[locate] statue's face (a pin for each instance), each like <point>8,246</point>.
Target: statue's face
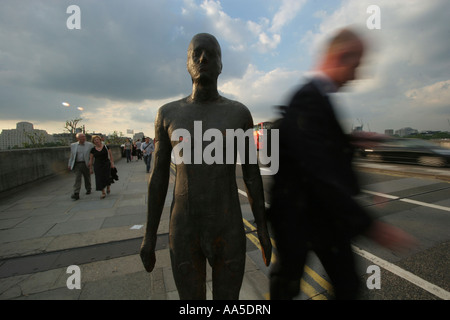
<point>204,61</point>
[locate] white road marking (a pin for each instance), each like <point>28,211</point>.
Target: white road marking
<point>420,203</point>
<point>380,194</point>
<point>421,283</point>
<point>242,192</point>
<point>245,195</point>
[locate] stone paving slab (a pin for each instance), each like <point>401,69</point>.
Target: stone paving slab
<point>45,219</point>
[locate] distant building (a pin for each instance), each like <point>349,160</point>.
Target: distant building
<point>64,138</point>
<point>430,132</point>
<point>389,132</point>
<point>24,134</point>
<point>406,131</point>
<point>139,135</point>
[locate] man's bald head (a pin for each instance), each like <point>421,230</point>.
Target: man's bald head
<point>342,56</point>
<point>342,40</point>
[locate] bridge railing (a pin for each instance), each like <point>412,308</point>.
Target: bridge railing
<point>22,166</point>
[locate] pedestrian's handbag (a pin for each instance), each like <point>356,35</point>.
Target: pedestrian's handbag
<point>113,171</point>
<point>114,175</point>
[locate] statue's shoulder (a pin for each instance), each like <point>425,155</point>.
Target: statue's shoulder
<point>171,107</point>
<point>238,111</point>
<point>236,105</point>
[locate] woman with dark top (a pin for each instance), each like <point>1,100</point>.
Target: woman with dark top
<point>102,165</point>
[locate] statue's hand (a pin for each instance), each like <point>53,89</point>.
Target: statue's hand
<point>266,245</point>
<point>148,257</point>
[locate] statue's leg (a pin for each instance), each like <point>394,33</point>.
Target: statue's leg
<point>189,268</point>
<point>228,264</point>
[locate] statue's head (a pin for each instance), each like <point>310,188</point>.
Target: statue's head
<point>204,58</point>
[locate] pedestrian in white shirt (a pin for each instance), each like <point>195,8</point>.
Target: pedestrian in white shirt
<point>79,163</point>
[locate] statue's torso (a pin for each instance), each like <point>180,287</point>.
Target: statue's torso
<point>205,192</point>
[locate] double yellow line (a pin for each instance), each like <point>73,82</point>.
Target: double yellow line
<point>305,287</point>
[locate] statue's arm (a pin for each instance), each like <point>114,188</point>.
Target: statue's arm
<point>157,191</point>
<point>255,193</point>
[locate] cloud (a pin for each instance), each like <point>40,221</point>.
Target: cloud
<point>116,54</point>
<point>124,52</point>
<point>262,35</point>
<point>228,27</point>
<point>261,91</point>
<point>406,54</point>
<point>436,94</point>
<point>288,10</point>
<point>129,58</point>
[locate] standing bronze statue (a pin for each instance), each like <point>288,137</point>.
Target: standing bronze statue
<point>206,220</point>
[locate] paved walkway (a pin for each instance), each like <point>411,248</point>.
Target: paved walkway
<point>43,231</point>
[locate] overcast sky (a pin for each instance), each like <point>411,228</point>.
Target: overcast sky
<point>129,58</point>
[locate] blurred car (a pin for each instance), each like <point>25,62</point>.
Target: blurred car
<point>405,150</point>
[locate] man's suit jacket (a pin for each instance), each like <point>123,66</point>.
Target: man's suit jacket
<point>73,153</point>
<point>313,189</point>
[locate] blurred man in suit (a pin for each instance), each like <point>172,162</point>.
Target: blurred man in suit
<point>312,205</point>
<point>79,163</point>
